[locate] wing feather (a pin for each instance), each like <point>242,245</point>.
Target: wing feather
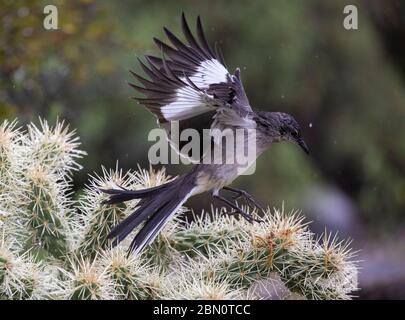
<point>190,79</point>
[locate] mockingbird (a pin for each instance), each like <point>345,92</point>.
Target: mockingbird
<point>190,84</point>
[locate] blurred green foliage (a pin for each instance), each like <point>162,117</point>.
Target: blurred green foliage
<point>344,87</point>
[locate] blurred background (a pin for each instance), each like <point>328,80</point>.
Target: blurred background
<point>346,89</point>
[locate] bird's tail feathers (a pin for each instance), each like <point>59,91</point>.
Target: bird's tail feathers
<point>156,207</point>
<point>122,194</point>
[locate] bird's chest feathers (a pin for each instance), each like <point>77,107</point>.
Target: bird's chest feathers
<point>216,177</point>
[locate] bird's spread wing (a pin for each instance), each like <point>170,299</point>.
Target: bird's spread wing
<point>191,84</point>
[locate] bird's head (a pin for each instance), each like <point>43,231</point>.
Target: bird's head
<point>281,126</point>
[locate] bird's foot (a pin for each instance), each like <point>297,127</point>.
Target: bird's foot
<point>238,211</point>
<point>246,196</point>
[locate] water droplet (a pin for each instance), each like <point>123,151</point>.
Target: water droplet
<point>310,124</point>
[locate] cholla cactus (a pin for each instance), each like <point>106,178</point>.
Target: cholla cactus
<point>133,278</point>
<point>192,283</point>
<point>36,177</point>
<point>97,220</point>
<point>55,247</point>
<point>324,270</point>
<point>206,233</point>
<point>87,280</point>
<point>45,212</point>
<point>266,246</point>
<point>21,277</point>
<point>283,243</point>
<point>54,148</point>
<point>11,158</point>
<point>10,143</point>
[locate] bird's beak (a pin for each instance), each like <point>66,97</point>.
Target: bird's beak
<point>303,145</point>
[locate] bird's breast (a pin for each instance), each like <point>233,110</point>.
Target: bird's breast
<point>215,177</point>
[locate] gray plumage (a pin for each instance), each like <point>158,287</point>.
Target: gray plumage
<point>190,84</point>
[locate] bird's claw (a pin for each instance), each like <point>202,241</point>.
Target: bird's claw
<point>249,199</point>
<point>236,209</point>
<point>246,216</point>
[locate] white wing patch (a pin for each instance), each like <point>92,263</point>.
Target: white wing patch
<point>209,72</point>
<point>188,103</point>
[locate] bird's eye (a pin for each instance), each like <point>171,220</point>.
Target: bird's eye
<point>295,134</point>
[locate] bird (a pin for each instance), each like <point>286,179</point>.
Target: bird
<point>191,85</point>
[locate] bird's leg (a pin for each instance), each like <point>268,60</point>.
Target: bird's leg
<point>238,210</point>
<point>247,196</point>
